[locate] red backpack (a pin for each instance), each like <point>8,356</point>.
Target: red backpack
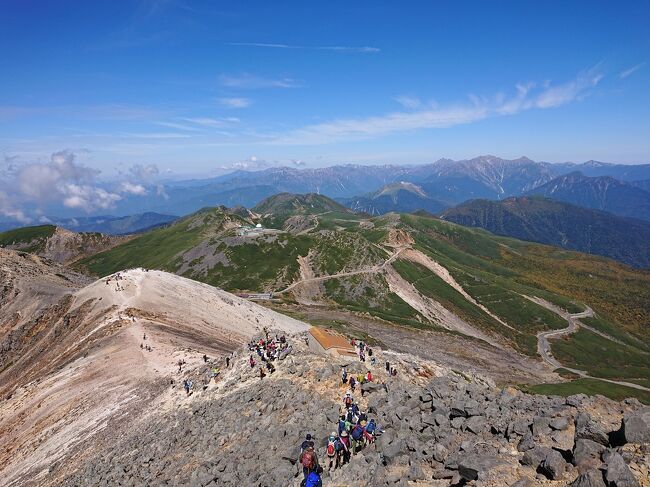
<point>331,449</point>
<point>308,459</point>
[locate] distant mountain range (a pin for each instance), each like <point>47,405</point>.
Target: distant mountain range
<point>446,182</point>
<point>601,193</point>
<point>564,225</point>
<point>110,225</point>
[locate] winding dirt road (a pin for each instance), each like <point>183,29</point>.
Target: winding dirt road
<point>544,347</point>
<point>373,269</point>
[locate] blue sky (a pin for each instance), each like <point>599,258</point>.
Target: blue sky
<point>200,87</point>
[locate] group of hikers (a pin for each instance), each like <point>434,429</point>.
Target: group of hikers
<point>117,277</point>
<point>360,379</point>
<point>268,350</point>
<point>354,432</point>
<point>363,349</point>
<point>143,346</point>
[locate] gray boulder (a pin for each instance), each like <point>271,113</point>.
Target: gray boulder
<point>553,466</point>
<point>541,426</point>
<point>636,426</point>
<point>591,478</point>
<point>440,453</point>
<point>519,427</point>
<point>474,467</point>
<point>394,449</point>
<point>576,400</point>
<point>588,429</point>
<point>534,457</point>
<point>476,424</point>
<point>617,473</point>
<point>370,387</point>
<point>458,422</point>
<point>586,454</point>
<point>526,443</point>
<point>559,424</point>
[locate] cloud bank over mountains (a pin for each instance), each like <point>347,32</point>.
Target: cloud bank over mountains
<point>62,180</point>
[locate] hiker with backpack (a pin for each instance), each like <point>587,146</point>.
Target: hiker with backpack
<point>344,376</point>
<point>353,382</point>
<point>308,460</point>
<point>357,438</point>
<point>348,400</point>
<point>308,442</point>
<point>331,452</point>
<point>371,428</point>
<point>342,425</point>
<point>314,478</point>
<point>344,440</point>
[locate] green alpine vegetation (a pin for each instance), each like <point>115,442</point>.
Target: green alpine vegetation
<point>344,258</point>
<point>561,224</point>
<point>27,239</point>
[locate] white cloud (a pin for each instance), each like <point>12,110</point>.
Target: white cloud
<point>213,122</point>
<point>249,81</point>
<point>88,197</point>
<point>554,96</point>
<point>62,180</point>
<point>179,126</point>
<point>362,49</point>
<point>8,209</point>
<point>160,191</point>
<point>410,102</point>
<point>628,72</point>
<point>234,102</point>
<point>355,49</point>
<point>144,172</point>
<point>479,108</point>
<point>130,188</point>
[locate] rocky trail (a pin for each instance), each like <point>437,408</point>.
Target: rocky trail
<point>80,362</point>
<point>440,429</point>
<point>87,400</point>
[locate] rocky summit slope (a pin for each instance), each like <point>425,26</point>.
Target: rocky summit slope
<point>75,360</point>
<point>440,428</point>
<point>91,394</point>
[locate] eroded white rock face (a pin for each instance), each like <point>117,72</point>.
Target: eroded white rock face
<point>75,360</point>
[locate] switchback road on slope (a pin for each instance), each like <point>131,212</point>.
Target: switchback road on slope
<point>574,324</point>
<point>373,269</point>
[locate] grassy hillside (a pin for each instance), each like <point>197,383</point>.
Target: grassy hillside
<point>299,204</point>
<point>561,224</point>
<point>485,263</point>
<point>28,239</point>
<point>224,248</point>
